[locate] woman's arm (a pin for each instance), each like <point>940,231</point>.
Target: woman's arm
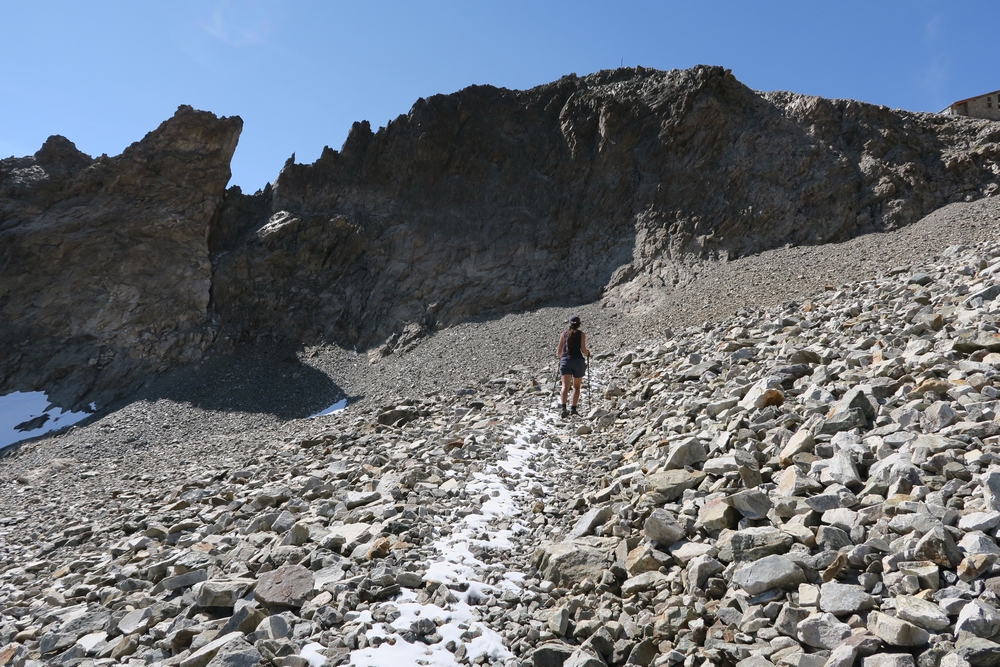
<point>559,347</point>
<point>583,344</point>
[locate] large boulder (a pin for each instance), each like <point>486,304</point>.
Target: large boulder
<point>769,572</point>
<point>572,561</point>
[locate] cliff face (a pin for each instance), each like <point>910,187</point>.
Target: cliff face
<point>491,200</point>
<point>104,263</point>
<point>473,204</point>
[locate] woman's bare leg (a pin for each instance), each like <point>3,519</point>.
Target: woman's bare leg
<point>576,390</point>
<point>566,380</point>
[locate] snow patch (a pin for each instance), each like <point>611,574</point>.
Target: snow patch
<point>336,407</point>
<point>507,487</point>
<point>29,414</point>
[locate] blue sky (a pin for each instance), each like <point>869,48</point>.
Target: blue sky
<point>299,73</point>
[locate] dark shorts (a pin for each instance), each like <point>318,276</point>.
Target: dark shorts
<point>575,366</point>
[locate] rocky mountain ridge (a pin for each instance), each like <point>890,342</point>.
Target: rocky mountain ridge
<point>583,185</point>
<point>475,204</point>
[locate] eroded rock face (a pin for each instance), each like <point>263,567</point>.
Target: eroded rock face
<point>478,203</point>
<point>490,200</point>
<point>104,263</point>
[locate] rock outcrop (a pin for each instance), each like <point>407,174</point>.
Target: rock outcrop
<point>104,263</point>
<point>490,200</point>
<point>474,204</point>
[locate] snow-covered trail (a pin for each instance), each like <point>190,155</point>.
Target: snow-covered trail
<point>507,488</point>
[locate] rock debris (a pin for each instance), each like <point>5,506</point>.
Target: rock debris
<point>813,483</point>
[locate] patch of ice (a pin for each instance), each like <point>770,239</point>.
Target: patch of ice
<point>29,414</point>
<point>336,407</point>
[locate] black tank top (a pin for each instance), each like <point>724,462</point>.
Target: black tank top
<point>572,344</point>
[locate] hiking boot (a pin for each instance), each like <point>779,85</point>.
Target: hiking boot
<point>565,412</point>
<point>573,411</point>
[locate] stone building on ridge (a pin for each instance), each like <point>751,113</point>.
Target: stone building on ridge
<point>982,106</point>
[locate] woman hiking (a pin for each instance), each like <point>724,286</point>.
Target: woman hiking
<point>573,355</point>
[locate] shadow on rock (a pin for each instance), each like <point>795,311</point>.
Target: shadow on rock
<point>254,379</point>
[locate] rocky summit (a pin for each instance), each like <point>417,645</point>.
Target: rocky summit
<point>789,457</point>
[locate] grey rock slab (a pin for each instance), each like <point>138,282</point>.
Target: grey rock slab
<point>938,546</point>
<point>755,661</point>
<point>136,620</point>
<point>88,623</point>
<point>923,613</point>
<point>662,528</point>
<point>977,651</point>
<point>672,483</point>
<point>822,630</point>
<point>981,521</point>
<point>585,657</point>
<point>405,579</point>
<point>977,542</point>
<point>348,537</point>
<point>842,518</point>
<point>753,543</point>
<point>840,470</point>
<point>89,644</point>
<point>842,419</point>
<point>288,586</point>
<point>551,654</point>
<point>990,483</point>
<point>361,498</point>
<point>185,580</point>
<point>699,569</point>
<point>222,592</point>
<point>246,617</point>
<point>592,518</point>
<point>683,552</point>
<point>204,655</point>
<point>715,515</point>
<point>843,655</point>
<point>895,631</point>
<point>237,653</point>
<point>328,576</point>
<point>889,660</point>
<point>939,415</point>
<point>834,497</point>
<point>788,619</point>
<point>644,582</point>
<point>801,441</point>
<point>720,465</point>
<point>954,660</point>
<point>274,627</point>
<point>284,522</point>
<point>769,572</point>
<point>978,618</point>
<point>567,563</point>
<point>841,599</point>
<point>687,452</point>
<point>558,621</point>
<point>56,641</point>
<point>751,503</point>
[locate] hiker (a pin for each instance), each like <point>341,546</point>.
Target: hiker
<point>573,357</point>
